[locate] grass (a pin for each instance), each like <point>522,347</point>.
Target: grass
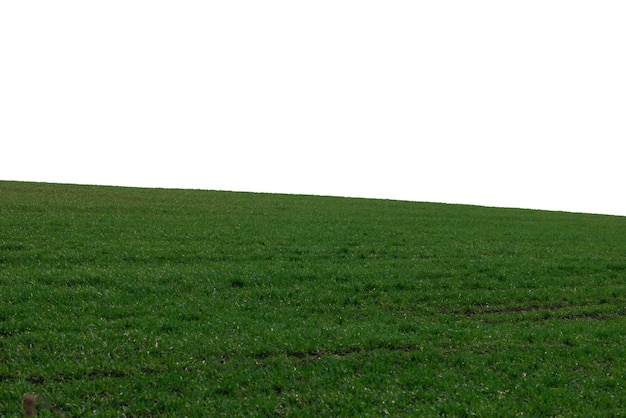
<point>138,302</point>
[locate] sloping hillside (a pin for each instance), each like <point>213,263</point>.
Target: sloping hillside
<point>121,301</point>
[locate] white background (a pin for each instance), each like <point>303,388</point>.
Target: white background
<point>498,103</point>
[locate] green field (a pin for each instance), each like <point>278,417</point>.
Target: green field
<point>151,302</point>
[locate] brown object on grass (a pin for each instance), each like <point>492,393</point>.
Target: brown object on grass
<point>29,400</point>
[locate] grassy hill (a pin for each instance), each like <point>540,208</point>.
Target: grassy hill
<point>143,302</point>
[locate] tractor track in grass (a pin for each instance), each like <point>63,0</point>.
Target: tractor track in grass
<point>313,355</point>
<point>88,375</point>
<point>492,315</point>
<point>340,353</point>
<point>305,356</point>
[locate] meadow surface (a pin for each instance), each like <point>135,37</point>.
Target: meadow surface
<point>139,302</point>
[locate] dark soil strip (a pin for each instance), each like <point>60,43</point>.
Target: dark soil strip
<point>316,354</point>
<point>532,308</point>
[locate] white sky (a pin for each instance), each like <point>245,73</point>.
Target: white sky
<point>497,103</point>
